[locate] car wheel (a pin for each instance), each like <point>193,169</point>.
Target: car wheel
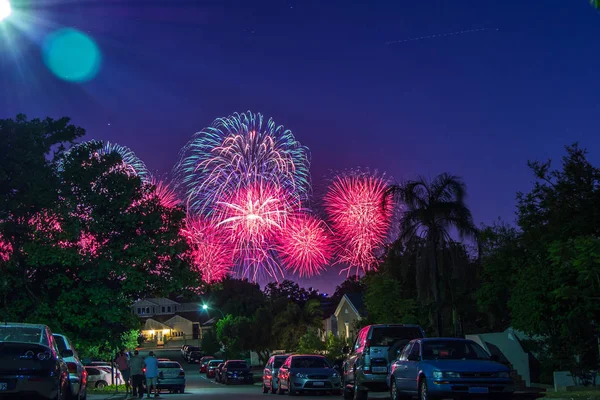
<point>290,391</point>
<point>394,391</point>
<point>280,391</point>
<point>347,393</point>
<point>273,389</point>
<point>359,394</point>
<point>423,390</point>
<point>226,381</point>
<point>101,384</point>
<point>265,388</point>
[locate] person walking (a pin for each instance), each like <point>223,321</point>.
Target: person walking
<point>151,364</point>
<point>136,368</point>
<point>123,366</point>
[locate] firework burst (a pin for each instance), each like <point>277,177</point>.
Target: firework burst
<point>306,245</point>
<point>212,254</point>
<point>166,195</point>
<point>360,217</point>
<point>237,152</point>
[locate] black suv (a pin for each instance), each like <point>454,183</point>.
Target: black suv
<point>366,364</point>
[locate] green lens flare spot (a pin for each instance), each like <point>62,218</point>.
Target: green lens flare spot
<point>71,55</point>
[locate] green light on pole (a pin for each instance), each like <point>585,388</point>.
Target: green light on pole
<point>5,9</point>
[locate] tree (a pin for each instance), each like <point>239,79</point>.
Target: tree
<point>334,346</point>
<point>294,321</point>
<point>352,284</point>
<point>432,210</point>
<point>235,332</point>
<point>310,343</point>
<point>210,343</point>
<point>236,296</point>
<point>555,290</point>
<point>386,303</point>
<point>291,291</point>
<point>501,255</point>
<point>100,238</point>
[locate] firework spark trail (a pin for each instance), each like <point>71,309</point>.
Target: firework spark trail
<point>211,251</point>
<point>306,245</point>
<point>438,35</point>
<point>166,195</point>
<point>359,217</point>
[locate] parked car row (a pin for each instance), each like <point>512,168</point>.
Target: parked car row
<point>191,354</point>
<point>400,359</point>
<point>36,362</point>
<point>228,372</point>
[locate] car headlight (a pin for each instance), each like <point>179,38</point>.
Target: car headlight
<point>445,375</point>
<point>503,374</point>
<point>335,375</point>
<point>299,375</point>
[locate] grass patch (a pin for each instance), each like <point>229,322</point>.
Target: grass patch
<point>106,389</point>
<point>584,395</point>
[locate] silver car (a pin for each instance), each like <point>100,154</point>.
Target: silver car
<point>30,363</point>
<point>308,373</point>
<point>171,377</point>
<point>77,374</point>
<point>270,372</point>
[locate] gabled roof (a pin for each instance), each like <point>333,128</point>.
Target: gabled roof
<point>156,301</point>
<point>152,324</point>
<point>355,300</point>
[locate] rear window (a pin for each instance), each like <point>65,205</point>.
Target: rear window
<point>237,365</point>
<point>214,363</point>
<point>193,348</point>
<point>389,335</point>
<point>22,334</point>
<point>60,343</point>
<point>169,365</point>
<point>309,362</point>
<point>278,362</point>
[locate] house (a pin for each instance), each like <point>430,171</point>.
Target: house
<point>350,309</point>
<point>329,320</point>
<point>165,318</point>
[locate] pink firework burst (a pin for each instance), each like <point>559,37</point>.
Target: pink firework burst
<point>254,218</point>
<point>306,245</point>
<point>211,252</point>
<point>165,193</point>
<point>360,216</point>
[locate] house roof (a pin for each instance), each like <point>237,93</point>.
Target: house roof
<point>159,301</point>
<point>192,316</point>
<point>355,300</point>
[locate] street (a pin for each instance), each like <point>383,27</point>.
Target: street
<point>198,387</point>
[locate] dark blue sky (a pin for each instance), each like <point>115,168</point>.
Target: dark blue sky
<point>476,104</point>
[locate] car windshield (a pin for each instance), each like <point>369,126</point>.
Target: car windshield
<point>453,350</point>
<point>389,335</point>
<point>309,362</point>
<point>193,348</point>
<point>237,364</point>
<point>22,334</point>
<point>169,365</point>
<point>278,362</point>
<point>214,363</point>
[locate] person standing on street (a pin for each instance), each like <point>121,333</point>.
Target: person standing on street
<point>123,365</point>
<point>151,364</point>
<point>136,368</point>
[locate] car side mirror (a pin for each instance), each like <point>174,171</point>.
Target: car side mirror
<point>66,353</point>
<point>346,350</point>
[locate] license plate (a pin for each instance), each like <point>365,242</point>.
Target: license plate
<point>380,370</point>
<point>3,386</point>
<point>479,390</point>
<point>318,383</point>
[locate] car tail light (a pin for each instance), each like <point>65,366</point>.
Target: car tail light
<point>367,359</point>
<point>72,367</point>
<point>181,373</point>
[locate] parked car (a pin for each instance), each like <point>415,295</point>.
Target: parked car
<point>270,372</point>
<point>376,346</point>
<point>183,348</point>
<point>204,363</point>
<point>99,377</point>
<point>218,372</point>
<point>308,373</point>
<point>211,368</point>
<point>171,377</point>
<point>441,367</point>
<point>77,373</point>
<point>30,363</point>
<point>236,371</point>
<point>194,357</point>
<point>188,351</point>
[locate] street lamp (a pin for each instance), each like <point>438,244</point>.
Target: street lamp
<point>5,9</point>
<point>206,308</point>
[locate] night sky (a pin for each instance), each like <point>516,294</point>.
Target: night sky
<point>515,80</point>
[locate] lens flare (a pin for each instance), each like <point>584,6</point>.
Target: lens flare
<point>71,55</point>
<point>360,215</point>
<point>306,245</point>
<point>5,9</point>
<point>211,251</point>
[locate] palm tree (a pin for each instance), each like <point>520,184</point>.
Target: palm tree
<point>431,212</point>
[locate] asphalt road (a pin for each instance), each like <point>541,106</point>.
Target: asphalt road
<point>198,387</point>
